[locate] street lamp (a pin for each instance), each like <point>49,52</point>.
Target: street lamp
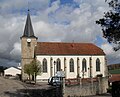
<point>54,67</point>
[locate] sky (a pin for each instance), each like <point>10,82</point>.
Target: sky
<point>52,20</point>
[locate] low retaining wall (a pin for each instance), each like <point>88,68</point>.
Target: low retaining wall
<point>81,90</point>
<point>86,89</point>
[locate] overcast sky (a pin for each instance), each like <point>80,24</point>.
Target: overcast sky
<point>53,20</point>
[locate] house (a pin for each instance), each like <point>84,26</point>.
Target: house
<point>12,71</point>
<point>83,60</point>
<point>114,72</point>
<point>113,66</point>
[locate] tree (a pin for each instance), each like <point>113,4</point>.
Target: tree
<point>34,68</point>
<point>27,69</point>
<point>2,68</point>
<point>110,24</point>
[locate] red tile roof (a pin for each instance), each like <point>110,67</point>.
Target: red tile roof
<point>114,77</point>
<point>59,48</point>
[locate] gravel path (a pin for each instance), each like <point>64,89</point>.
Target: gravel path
<point>12,88</point>
<point>8,87</point>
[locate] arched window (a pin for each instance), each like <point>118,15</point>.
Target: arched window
<point>78,67</point>
<point>98,64</point>
<point>71,65</point>
<point>84,65</point>
<point>58,65</point>
<point>44,66</point>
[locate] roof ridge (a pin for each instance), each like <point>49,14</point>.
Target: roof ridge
<point>68,42</point>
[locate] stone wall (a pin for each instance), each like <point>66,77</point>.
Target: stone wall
<point>27,53</point>
<point>86,89</point>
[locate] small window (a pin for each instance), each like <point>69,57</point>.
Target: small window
<point>71,65</point>
<point>44,66</point>
<point>84,66</point>
<point>98,64</point>
<point>29,44</point>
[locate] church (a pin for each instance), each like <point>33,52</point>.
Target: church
<point>85,60</point>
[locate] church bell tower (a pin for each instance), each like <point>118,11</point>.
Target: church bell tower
<point>28,43</point>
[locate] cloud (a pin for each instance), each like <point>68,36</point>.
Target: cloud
<point>3,47</point>
<point>16,51</point>
<point>112,56</point>
<point>80,22</point>
<point>52,21</point>
<point>11,28</point>
<point>54,7</point>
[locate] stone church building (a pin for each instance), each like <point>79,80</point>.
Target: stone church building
<point>75,59</point>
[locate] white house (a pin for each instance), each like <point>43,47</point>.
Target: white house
<point>75,59</point>
<point>12,71</point>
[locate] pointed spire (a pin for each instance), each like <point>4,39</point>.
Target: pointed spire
<point>28,31</point>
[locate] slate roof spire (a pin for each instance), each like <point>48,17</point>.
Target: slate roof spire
<point>28,31</point>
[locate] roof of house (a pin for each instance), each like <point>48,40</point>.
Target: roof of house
<point>114,78</point>
<point>60,48</point>
<point>12,68</point>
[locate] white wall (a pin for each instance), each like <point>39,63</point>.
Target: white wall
<point>73,74</point>
<point>12,71</point>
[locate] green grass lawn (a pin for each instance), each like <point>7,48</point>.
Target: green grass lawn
<point>116,71</point>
